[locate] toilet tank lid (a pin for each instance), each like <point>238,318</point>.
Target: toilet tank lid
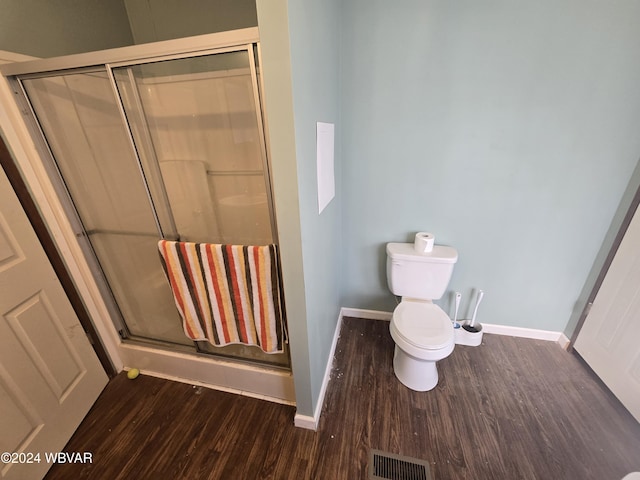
<point>405,251</point>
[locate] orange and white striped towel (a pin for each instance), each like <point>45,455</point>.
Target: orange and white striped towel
<point>226,293</point>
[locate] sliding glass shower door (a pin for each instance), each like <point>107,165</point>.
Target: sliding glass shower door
<point>197,120</point>
<point>168,148</point>
<point>80,119</point>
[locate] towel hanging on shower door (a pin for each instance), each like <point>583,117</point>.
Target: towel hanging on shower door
<point>226,294</point>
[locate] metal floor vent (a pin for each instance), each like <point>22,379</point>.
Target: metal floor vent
<point>387,466</point>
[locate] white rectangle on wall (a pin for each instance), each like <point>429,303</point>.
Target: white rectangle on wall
<point>324,155</point>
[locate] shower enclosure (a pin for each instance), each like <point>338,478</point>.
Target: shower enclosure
<point>168,147</point>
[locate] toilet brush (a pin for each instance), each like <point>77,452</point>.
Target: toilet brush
<point>455,315</point>
<point>471,326</point>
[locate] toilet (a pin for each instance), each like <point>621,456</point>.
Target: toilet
<point>422,331</point>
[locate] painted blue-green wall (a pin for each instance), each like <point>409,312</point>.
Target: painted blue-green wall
<point>300,53</point>
<point>315,49</point>
<point>509,129</point>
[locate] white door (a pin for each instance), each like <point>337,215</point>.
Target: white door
<point>49,374</point>
<point>609,340</point>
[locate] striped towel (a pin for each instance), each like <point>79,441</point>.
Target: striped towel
<point>226,293</point>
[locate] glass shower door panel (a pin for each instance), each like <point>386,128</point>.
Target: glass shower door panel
<point>198,117</point>
<point>86,136</point>
<point>84,129</point>
<point>140,287</point>
<point>242,208</point>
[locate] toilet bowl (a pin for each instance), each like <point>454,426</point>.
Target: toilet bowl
<point>422,331</point>
<point>423,334</point>
<point>632,476</point>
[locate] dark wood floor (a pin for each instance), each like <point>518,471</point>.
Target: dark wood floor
<point>509,409</point>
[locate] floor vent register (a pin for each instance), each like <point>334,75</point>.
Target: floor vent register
<point>387,466</point>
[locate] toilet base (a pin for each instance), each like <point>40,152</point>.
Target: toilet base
<point>416,374</point>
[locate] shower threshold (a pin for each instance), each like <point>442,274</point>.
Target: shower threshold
<point>184,364</point>
<point>240,354</point>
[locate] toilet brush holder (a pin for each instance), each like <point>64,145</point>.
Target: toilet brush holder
<point>468,335</point>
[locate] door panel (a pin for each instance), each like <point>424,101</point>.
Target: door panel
<point>49,374</point>
<point>608,340</point>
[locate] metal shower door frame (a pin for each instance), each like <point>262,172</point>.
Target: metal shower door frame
<point>257,88</point>
<point>88,63</point>
<point>64,195</point>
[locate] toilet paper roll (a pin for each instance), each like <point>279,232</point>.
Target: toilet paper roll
<point>424,242</point>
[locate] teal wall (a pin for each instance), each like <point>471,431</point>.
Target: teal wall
<point>315,50</point>
<point>509,129</point>
<point>300,52</point>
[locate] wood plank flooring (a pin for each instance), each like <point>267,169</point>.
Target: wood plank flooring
<point>509,409</point>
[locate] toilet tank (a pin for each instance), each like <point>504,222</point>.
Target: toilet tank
<point>423,276</point>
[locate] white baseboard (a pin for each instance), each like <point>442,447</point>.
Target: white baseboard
<point>564,341</point>
<point>306,421</point>
<point>521,332</point>
<point>368,314</point>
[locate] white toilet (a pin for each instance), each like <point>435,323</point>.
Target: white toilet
<point>422,331</point>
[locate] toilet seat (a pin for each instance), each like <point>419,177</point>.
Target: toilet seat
<point>422,325</point>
